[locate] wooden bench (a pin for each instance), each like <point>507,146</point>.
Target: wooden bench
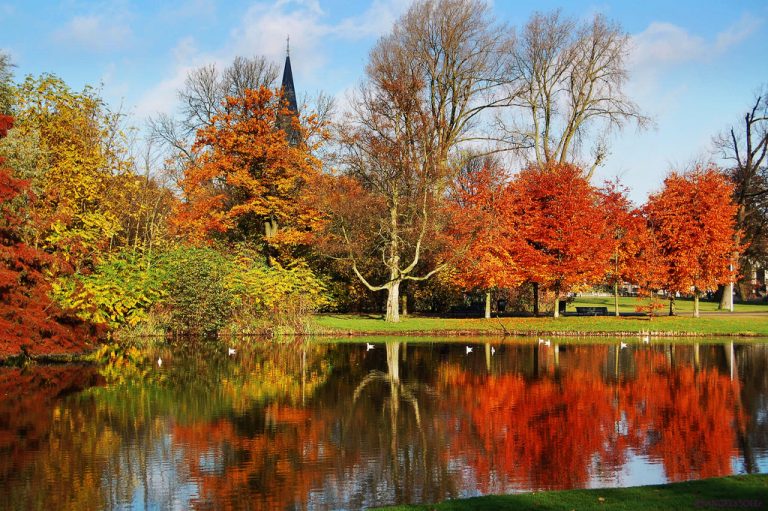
<point>592,311</point>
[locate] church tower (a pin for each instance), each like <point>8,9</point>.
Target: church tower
<point>285,122</point>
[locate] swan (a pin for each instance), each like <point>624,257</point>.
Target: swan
<point>369,346</point>
<point>469,350</point>
<point>231,351</point>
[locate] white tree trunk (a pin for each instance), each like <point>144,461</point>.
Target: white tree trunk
<point>487,305</point>
<point>557,306</point>
<point>393,302</point>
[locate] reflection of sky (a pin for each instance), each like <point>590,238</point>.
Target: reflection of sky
<point>638,470</point>
<point>165,486</point>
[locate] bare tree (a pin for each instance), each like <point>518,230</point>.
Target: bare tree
<point>6,83</point>
<point>427,82</point>
<point>202,97</point>
<point>566,85</point>
<point>746,146</point>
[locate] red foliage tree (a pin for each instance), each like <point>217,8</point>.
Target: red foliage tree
<point>694,219</point>
<point>625,228</point>
<point>562,228</point>
<point>480,224</point>
<point>29,321</point>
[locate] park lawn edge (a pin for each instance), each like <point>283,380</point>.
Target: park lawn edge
<point>348,325</point>
<point>742,492</point>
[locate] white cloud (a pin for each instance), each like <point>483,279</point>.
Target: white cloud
<point>665,43</point>
<point>664,46</point>
<point>263,31</point>
<point>95,32</point>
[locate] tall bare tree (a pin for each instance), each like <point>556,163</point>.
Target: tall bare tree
<point>745,145</point>
<point>427,82</point>
<point>565,87</point>
<point>202,97</point>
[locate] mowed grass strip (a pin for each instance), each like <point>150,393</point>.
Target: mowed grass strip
<point>682,305</point>
<point>734,492</point>
<point>714,325</point>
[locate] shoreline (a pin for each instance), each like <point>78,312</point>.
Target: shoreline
<point>736,491</point>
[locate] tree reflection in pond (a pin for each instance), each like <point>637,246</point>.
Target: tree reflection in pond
<point>337,426</point>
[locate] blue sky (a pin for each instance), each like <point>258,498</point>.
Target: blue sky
<point>694,67</point>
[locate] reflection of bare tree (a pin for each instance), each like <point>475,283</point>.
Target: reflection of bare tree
<point>395,426</point>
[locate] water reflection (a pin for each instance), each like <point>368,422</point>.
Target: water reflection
<point>337,426</point>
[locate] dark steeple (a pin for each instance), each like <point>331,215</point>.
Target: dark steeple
<point>289,96</point>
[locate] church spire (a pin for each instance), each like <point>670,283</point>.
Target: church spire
<point>289,95</point>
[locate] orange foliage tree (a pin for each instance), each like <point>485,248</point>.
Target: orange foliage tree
<point>29,321</point>
<point>625,228</point>
<point>481,225</point>
<point>694,218</point>
<point>248,177</point>
<point>562,228</point>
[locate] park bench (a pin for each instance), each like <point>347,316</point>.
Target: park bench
<point>592,311</point>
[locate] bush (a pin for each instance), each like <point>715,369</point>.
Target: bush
<point>119,292</point>
<point>197,299</point>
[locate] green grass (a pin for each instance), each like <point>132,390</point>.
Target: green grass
<point>682,305</point>
<point>735,492</point>
<point>714,325</point>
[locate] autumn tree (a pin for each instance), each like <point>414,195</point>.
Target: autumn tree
<point>625,225</point>
<point>745,146</point>
<point>566,83</point>
<point>71,149</point>
<point>694,218</point>
<point>480,227</point>
<point>425,86</point>
<point>29,321</point>
<point>245,181</point>
<point>564,243</point>
<point>202,97</point>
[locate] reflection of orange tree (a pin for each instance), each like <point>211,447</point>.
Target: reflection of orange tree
<point>549,433</point>
<point>542,434</point>
<point>686,418</point>
<point>272,469</point>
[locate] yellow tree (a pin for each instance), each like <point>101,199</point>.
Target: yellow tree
<point>70,147</point>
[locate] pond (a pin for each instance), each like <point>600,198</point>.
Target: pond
<point>329,425</point>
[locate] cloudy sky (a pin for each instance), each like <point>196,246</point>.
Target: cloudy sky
<point>695,65</point>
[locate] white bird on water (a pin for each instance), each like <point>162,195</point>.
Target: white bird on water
<point>159,362</point>
<point>647,339</point>
<point>369,346</point>
<point>493,351</point>
<point>469,350</point>
<point>623,345</point>
<point>231,351</point>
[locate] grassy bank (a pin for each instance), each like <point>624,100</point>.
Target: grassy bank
<point>682,305</point>
<point>679,326</point>
<point>735,492</point>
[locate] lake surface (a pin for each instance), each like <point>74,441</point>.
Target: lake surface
<point>338,425</point>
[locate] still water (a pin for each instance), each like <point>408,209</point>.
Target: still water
<point>339,425</point>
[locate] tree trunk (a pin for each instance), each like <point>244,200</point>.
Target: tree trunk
<point>672,305</point>
<point>726,300</point>
<point>393,302</point>
<point>535,298</point>
<point>616,298</point>
<point>696,303</point>
<point>487,305</point>
<point>557,306</point>
<point>404,302</point>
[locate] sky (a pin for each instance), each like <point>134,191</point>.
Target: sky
<point>695,66</point>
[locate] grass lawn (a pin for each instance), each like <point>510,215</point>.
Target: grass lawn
<point>682,305</point>
<point>735,492</point>
<point>713,325</point>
